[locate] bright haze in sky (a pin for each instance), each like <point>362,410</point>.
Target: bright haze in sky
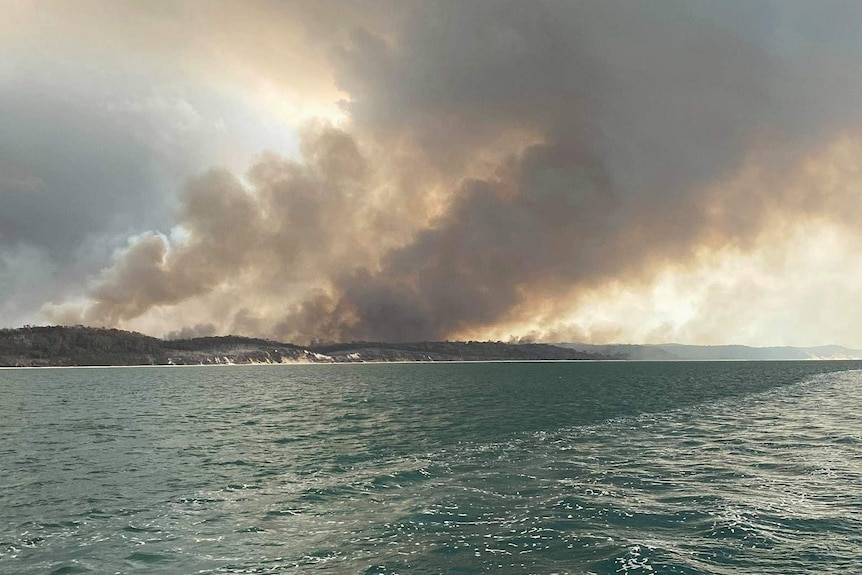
<point>594,171</point>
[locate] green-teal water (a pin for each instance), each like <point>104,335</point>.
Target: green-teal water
<point>683,468</point>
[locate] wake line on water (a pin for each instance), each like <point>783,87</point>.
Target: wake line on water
<point>380,474</point>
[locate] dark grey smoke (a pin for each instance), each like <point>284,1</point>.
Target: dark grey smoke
<point>199,330</point>
<point>643,109</point>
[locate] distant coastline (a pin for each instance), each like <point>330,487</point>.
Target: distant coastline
<point>682,352</point>
<point>78,346</point>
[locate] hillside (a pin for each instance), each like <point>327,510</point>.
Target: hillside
<point>450,351</point>
<point>76,346</point>
<point>69,346</point>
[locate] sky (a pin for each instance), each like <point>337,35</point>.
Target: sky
<point>594,171</point>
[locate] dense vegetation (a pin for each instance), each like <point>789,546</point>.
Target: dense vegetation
<point>451,351</point>
<point>78,345</point>
<point>222,342</point>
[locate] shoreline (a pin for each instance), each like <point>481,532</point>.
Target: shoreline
<point>419,362</point>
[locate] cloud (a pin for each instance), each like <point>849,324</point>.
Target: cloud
<point>498,162</point>
<point>25,282</point>
<point>108,109</point>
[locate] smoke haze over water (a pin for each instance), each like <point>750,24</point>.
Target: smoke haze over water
<point>410,171</point>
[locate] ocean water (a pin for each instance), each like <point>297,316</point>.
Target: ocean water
<point>683,468</point>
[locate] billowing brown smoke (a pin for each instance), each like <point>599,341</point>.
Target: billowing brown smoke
<point>500,157</point>
<point>290,226</point>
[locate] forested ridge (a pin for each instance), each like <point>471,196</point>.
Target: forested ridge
<point>33,346</point>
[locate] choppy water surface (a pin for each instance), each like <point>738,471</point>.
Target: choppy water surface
<point>598,468</point>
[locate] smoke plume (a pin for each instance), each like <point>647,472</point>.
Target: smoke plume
<point>501,159</point>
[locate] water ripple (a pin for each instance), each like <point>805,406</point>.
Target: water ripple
<point>711,468</point>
